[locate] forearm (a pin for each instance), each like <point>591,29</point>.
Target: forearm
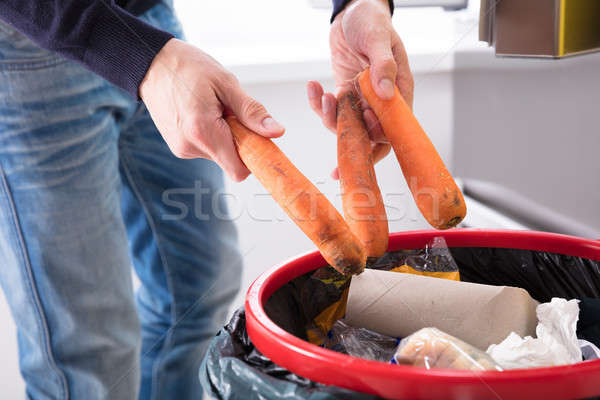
<point>97,33</point>
<point>339,5</point>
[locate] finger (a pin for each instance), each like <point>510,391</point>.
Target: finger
<point>404,78</point>
<point>314,91</point>
<point>380,151</point>
<point>383,65</point>
<point>374,127</point>
<point>221,148</point>
<point>251,113</point>
<point>350,84</point>
<point>329,112</point>
<point>323,104</point>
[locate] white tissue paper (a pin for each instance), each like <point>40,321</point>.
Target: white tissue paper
<point>556,342</point>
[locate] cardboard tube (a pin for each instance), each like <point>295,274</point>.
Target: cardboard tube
<point>397,304</point>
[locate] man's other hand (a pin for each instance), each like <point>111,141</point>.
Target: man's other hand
<point>363,35</point>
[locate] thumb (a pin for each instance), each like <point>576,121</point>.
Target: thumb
<point>383,67</point>
<point>253,114</point>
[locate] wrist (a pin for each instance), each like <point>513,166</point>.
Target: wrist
<point>385,5</point>
<point>164,62</point>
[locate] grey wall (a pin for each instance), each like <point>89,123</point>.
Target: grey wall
<point>533,126</point>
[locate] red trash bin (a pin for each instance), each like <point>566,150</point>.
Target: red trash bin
<point>580,380</point>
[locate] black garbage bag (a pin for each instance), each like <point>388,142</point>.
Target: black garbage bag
<point>234,369</point>
<point>588,325</point>
<point>544,275</point>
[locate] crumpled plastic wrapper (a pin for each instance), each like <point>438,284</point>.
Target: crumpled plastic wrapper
<point>431,348</point>
<point>589,350</point>
<point>360,342</point>
<point>435,260</point>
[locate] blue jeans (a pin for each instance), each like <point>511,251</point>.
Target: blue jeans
<point>88,188</point>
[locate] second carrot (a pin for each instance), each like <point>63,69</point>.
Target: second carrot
<point>362,202</point>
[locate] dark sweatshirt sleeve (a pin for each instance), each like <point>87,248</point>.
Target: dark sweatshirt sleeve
<point>97,33</point>
<point>338,6</point>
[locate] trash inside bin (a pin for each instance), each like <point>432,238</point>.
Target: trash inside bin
<point>283,302</point>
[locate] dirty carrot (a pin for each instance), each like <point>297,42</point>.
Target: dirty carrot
<point>300,199</point>
<point>362,203</point>
<point>438,197</point>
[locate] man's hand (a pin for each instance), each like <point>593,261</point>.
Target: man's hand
<point>362,35</point>
<point>187,92</point>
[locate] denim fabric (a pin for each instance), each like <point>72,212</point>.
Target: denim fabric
<point>88,188</point>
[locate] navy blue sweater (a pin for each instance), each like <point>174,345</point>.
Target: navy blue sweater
<point>104,35</point>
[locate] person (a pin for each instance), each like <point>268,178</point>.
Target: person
<point>89,176</point>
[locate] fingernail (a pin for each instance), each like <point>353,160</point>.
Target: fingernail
<point>312,91</point>
<point>325,104</point>
<point>271,125</point>
<point>387,87</point>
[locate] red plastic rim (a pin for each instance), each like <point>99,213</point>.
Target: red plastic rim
<point>403,382</point>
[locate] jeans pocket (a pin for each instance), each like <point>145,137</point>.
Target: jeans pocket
<point>17,52</point>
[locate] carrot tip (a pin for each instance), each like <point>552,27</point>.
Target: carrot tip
<point>351,269</point>
<point>372,261</point>
<point>452,223</point>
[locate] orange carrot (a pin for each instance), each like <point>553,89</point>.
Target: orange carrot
<point>300,199</point>
<point>433,188</point>
<point>363,206</point>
